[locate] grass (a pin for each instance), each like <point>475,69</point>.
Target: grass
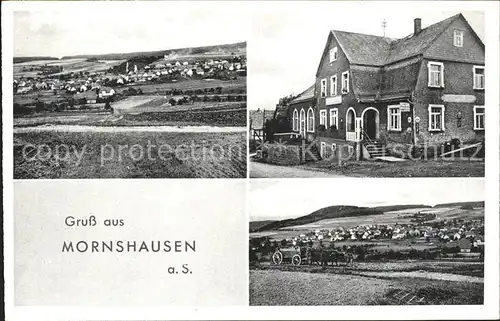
<point>228,160</point>
<point>296,286</point>
<point>228,86</point>
<point>419,168</point>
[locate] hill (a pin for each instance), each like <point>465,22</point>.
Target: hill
<point>18,60</point>
<point>225,49</point>
<point>462,204</point>
<point>332,212</point>
<point>259,225</point>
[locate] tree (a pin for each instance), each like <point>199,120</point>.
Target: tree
<point>107,105</point>
<point>40,106</point>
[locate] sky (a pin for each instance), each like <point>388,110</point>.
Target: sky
<point>72,32</point>
<point>279,199</point>
<point>285,40</point>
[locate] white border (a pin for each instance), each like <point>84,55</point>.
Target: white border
<point>490,309</point>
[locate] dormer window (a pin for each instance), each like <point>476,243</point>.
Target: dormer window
<point>458,38</point>
<point>333,54</point>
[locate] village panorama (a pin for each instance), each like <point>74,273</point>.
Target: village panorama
<point>386,255</point>
<point>177,113</point>
<point>381,107</point>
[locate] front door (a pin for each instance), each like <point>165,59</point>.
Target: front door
<point>370,125</point>
<point>358,129</point>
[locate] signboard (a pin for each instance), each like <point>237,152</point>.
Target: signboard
<point>334,100</point>
<point>405,107</point>
<point>458,98</point>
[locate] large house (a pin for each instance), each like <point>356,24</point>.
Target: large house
<point>424,89</point>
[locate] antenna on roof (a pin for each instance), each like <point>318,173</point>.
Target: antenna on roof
<point>384,25</point>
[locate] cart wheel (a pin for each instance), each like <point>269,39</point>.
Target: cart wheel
<point>296,260</point>
<point>277,258</point>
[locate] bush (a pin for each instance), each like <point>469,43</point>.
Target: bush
<point>172,101</point>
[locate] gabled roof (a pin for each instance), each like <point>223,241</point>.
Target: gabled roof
<point>362,49</point>
<point>305,95</point>
<point>413,45</point>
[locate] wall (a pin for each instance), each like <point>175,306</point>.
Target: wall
<point>458,80</point>
<point>284,154</point>
<point>327,70</point>
<point>442,48</point>
<point>348,148</point>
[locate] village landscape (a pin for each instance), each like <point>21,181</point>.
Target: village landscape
<point>381,107</point>
<point>388,255</point>
<point>71,106</point>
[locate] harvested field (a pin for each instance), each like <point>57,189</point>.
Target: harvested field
<point>238,85</point>
<point>217,117</point>
<point>129,155</point>
<point>327,287</point>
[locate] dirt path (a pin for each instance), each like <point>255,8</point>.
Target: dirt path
<point>127,129</point>
<point>262,170</point>
<point>426,275</point>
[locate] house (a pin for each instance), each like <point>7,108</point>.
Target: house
<point>258,119</point>
<point>90,96</point>
<point>301,112</point>
<point>424,89</point>
<point>105,92</point>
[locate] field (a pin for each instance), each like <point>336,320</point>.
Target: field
<point>69,65</point>
<point>401,283</point>
<point>228,86</point>
<point>418,168</point>
<point>132,154</point>
<point>389,218</point>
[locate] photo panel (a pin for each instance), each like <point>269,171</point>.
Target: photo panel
<point>400,95</point>
<point>140,106</point>
<point>380,242</point>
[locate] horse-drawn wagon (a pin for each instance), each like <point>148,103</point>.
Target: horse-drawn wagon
<point>293,255</point>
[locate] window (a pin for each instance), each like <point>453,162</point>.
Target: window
<point>302,121</point>
<point>322,117</point>
<point>333,54</point>
<point>478,77</point>
<point>310,120</point>
<point>478,117</point>
<point>458,38</point>
<point>394,117</point>
<point>295,123</point>
<point>323,87</point>
<point>334,117</point>
<point>436,74</point>
<point>436,117</point>
<point>333,85</point>
<point>345,82</point>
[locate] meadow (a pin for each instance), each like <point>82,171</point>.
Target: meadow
<point>401,283</point>
<point>118,155</point>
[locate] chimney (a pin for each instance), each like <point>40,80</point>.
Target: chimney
<point>417,25</point>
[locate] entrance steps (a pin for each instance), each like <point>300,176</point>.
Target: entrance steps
<point>375,148</point>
